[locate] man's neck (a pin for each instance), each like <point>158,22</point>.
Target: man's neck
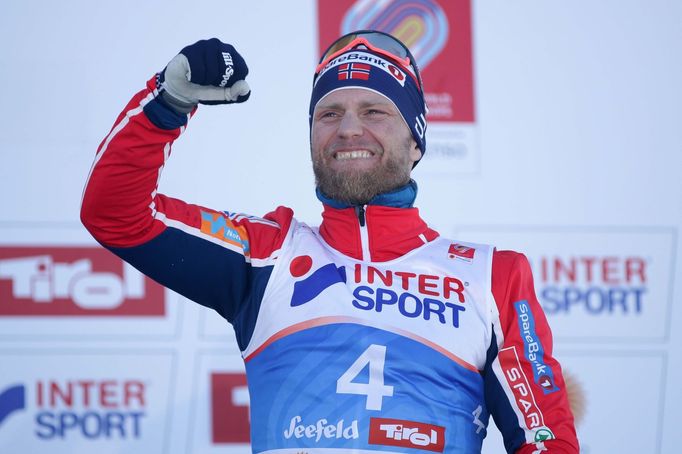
<point>402,197</point>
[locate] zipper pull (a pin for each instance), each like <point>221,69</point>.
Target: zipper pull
<point>360,213</point>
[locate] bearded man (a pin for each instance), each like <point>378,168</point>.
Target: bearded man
<point>371,333</point>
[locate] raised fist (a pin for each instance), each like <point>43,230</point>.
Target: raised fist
<point>206,72</point>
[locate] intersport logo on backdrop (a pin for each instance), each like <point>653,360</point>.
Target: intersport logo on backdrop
<point>80,408</point>
<point>593,283</point>
<point>74,281</point>
<point>597,283</point>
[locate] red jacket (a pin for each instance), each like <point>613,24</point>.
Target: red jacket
<point>224,261</point>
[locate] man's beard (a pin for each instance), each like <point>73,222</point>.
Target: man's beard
<point>357,187</point>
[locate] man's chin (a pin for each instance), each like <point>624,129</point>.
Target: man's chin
<point>355,189</point>
<point>355,184</point>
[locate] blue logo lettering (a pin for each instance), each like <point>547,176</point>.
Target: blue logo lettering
<point>534,352</point>
<point>409,305</point>
<point>593,300</point>
<point>90,424</point>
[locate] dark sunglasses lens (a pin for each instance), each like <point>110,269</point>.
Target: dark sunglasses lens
<point>387,43</point>
<point>338,45</point>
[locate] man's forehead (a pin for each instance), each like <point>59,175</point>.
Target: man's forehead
<point>354,97</point>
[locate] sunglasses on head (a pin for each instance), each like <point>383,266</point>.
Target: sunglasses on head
<point>376,41</point>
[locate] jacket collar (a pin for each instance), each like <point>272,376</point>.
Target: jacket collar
<point>384,229</point>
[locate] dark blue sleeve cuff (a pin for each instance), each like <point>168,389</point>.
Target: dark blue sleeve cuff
<point>164,116</point>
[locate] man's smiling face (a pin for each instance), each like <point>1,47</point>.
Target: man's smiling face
<point>360,146</point>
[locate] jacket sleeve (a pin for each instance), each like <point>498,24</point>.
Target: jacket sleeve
<point>524,386</point>
<point>217,259</point>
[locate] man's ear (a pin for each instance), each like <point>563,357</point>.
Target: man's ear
<point>415,152</point>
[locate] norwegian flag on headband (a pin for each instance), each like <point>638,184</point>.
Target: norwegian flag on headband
<point>354,71</point>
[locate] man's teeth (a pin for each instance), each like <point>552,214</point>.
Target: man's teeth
<point>355,154</point>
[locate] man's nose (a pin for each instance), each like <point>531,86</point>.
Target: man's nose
<point>350,125</point>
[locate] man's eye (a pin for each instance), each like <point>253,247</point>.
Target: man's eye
<point>376,112</point>
<point>328,115</point>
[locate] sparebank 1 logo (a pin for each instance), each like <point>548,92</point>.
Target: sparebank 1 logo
<point>74,281</point>
<point>592,284</point>
<point>534,351</point>
<point>438,34</point>
<point>383,290</point>
<point>84,408</point>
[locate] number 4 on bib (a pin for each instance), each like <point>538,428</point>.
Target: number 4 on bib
<point>375,390</point>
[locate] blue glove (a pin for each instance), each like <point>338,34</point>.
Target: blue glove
<point>206,72</point>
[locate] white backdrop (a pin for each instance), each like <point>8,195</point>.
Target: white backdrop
<point>577,159</point>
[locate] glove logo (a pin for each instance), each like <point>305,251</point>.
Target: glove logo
<point>229,70</point>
